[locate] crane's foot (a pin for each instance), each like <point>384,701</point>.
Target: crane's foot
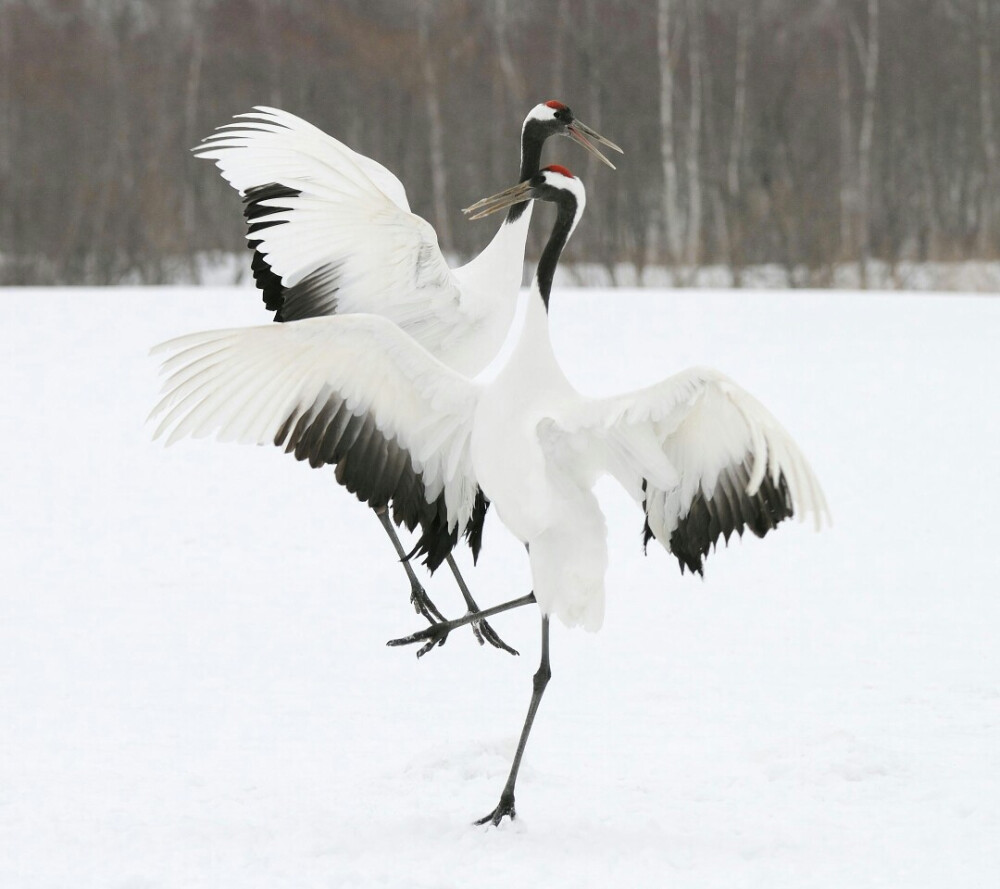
<point>505,809</point>
<point>485,633</point>
<point>422,604</point>
<point>437,634</point>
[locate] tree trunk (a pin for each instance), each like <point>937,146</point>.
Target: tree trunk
<point>739,99</point>
<point>870,60</point>
<point>668,158</point>
<point>734,197</point>
<point>192,89</point>
<point>988,197</point>
<point>848,175</point>
<point>559,48</point>
<point>435,134</point>
<point>696,61</point>
<point>8,229</point>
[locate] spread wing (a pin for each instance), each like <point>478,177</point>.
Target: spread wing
<point>353,391</point>
<point>703,456</point>
<point>332,230</point>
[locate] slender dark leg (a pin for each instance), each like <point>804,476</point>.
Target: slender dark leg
<point>437,633</point>
<point>418,596</point>
<point>482,630</point>
<point>540,680</point>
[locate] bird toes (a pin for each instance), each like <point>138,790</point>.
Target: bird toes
<point>505,809</point>
<point>435,634</point>
<point>485,633</point>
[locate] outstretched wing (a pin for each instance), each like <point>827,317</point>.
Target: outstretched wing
<point>332,230</point>
<point>704,457</point>
<point>353,391</point>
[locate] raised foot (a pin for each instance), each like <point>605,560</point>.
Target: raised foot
<point>437,634</point>
<point>422,604</point>
<point>505,809</point>
<point>485,633</point>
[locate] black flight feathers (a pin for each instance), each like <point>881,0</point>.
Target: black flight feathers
<point>377,471</point>
<point>314,295</point>
<point>730,509</point>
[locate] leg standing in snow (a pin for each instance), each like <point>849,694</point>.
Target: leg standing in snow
<point>540,680</point>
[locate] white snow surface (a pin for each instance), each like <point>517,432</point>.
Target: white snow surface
<point>195,690</point>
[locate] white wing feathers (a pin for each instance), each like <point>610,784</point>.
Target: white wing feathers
<point>704,456</point>
<point>341,224</point>
<point>272,141</point>
<point>352,390</point>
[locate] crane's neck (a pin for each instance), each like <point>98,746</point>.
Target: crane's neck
<point>498,268</point>
<point>563,228</point>
<point>533,369</point>
<point>531,158</point>
<point>533,359</point>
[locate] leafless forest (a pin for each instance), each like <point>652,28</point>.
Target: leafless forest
<point>803,134</point>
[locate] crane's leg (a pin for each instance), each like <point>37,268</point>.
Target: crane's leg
<point>421,602</point>
<point>482,630</point>
<point>437,634</point>
<point>539,681</point>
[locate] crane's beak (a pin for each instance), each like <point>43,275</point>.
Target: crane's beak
<point>523,191</point>
<point>579,132</point>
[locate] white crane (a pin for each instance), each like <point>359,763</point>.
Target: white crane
<point>700,455</point>
<point>332,233</point>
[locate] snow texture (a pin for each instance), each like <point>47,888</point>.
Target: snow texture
<point>196,692</point>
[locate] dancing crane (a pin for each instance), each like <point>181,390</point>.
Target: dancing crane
<point>332,233</point>
<point>699,454</point>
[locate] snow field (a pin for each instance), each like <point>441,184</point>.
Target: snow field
<point>196,691</point>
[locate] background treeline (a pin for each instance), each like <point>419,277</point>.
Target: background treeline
<point>804,134</point>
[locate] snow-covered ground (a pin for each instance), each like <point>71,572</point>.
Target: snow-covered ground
<point>195,690</point>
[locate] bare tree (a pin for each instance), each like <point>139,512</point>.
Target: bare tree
<point>435,130</point>
<point>988,195</point>
<point>868,51</point>
<point>668,160</point>
<point>755,131</point>
<point>744,27</point>
<point>696,55</point>
<point>848,154</point>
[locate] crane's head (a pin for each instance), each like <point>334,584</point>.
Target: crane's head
<point>553,118</point>
<point>552,183</point>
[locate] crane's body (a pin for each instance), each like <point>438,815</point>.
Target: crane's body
<point>699,455</point>
<point>333,234</point>
<point>545,503</point>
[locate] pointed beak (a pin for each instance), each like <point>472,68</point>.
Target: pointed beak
<point>500,201</point>
<point>581,133</point>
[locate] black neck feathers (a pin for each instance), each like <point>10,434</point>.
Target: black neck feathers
<point>532,140</point>
<point>557,241</point>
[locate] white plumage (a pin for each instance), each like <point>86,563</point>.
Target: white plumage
<point>332,233</point>
<point>528,439</point>
<point>246,384</point>
<point>336,228</point>
<point>700,455</point>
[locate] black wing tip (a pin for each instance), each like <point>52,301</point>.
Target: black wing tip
<point>436,541</point>
<point>378,472</point>
<point>730,509</point>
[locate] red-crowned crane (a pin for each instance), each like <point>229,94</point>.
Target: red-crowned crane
<point>332,233</point>
<point>700,455</point>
